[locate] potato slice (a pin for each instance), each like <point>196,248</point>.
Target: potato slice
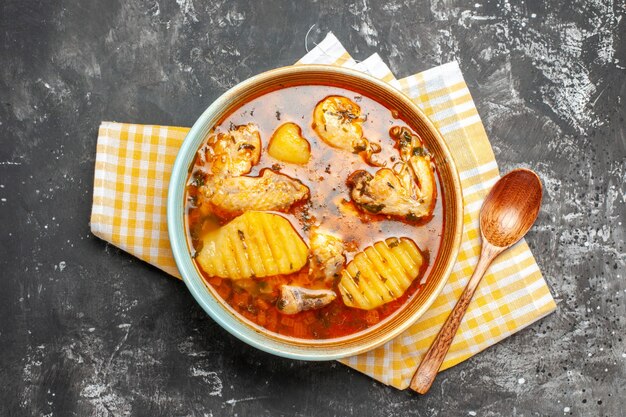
<point>381,273</point>
<point>255,244</point>
<point>288,145</point>
<point>337,121</point>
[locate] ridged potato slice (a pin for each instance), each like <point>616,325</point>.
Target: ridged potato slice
<point>255,244</point>
<point>380,273</point>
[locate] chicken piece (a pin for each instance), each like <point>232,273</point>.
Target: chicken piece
<point>234,152</point>
<point>419,160</point>
<point>337,121</point>
<point>407,191</point>
<point>382,193</point>
<point>326,259</point>
<point>294,299</point>
<point>269,191</point>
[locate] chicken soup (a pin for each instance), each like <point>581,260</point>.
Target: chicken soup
<point>313,212</point>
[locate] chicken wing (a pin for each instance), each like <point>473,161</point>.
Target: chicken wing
<point>233,153</point>
<point>269,191</point>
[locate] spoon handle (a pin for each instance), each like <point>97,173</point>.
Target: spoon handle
<point>425,374</point>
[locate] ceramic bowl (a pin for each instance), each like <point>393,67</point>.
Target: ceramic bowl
<point>372,337</point>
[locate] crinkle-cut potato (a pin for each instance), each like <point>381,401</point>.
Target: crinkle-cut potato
<point>288,145</point>
<point>381,273</point>
<point>255,244</point>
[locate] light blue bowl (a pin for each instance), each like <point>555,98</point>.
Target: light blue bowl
<point>249,332</point>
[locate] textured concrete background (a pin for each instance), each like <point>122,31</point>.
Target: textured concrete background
<point>87,330</point>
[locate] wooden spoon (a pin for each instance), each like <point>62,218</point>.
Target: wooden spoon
<point>507,214</point>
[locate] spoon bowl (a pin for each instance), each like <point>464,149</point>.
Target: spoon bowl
<point>511,208</point>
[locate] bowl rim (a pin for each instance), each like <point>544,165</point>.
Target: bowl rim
<point>178,239</point>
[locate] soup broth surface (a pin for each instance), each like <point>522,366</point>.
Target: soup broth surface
<point>329,208</point>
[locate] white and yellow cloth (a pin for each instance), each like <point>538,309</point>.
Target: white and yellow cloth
<point>133,165</point>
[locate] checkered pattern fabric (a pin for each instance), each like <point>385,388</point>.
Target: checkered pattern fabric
<point>133,165</point>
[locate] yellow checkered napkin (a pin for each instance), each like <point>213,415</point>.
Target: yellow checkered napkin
<point>133,165</point>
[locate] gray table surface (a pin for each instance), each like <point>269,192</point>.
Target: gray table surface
<point>87,330</point>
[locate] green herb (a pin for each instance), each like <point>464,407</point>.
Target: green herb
<point>394,243</point>
<point>359,148</point>
<point>372,207</point>
<point>336,278</point>
<point>247,146</point>
<point>347,115</point>
<point>198,179</point>
<point>411,217</point>
<point>419,151</point>
<point>405,139</point>
<point>242,237</point>
<point>357,277</point>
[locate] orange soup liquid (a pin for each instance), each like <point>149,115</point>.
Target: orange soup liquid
<point>329,207</point>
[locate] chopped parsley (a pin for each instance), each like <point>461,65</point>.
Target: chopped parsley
<point>419,151</point>
<point>373,207</point>
<point>359,148</point>
<point>411,217</point>
<point>198,179</point>
<point>247,146</point>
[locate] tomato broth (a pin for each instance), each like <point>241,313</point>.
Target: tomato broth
<point>329,208</point>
